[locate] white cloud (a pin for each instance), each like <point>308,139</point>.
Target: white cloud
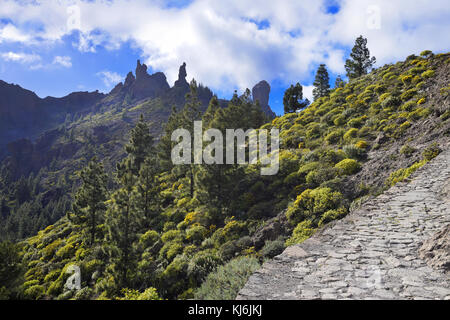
<point>11,33</point>
<point>220,44</point>
<point>63,61</point>
<point>20,57</point>
<point>109,78</point>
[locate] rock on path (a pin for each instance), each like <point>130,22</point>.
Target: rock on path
<point>373,253</point>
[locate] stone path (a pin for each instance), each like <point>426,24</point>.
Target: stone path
<point>370,254</point>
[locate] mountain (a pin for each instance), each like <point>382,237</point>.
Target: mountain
<point>200,231</point>
<point>70,132</point>
<point>24,114</point>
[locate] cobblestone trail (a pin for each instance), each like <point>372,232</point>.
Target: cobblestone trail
<point>370,254</point>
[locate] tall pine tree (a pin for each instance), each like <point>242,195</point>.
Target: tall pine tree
<point>293,99</point>
<point>165,145</point>
<point>321,83</point>
<point>89,201</point>
<point>122,224</point>
<point>339,83</point>
<point>190,113</point>
<point>360,61</point>
<point>141,144</point>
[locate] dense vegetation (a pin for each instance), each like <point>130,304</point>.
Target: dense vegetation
<point>151,230</point>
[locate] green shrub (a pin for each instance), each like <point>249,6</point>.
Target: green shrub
<point>348,166</point>
<point>149,294</point>
<point>273,248</point>
<point>390,102</point>
<point>331,215</point>
<point>406,79</point>
<point>431,152</point>
<point>51,249</point>
<point>409,106</point>
<point>407,150</point>
<point>227,280</point>
<point>419,113</point>
<point>149,238</point>
<point>380,89</point>
<point>426,53</point>
<point>361,144</point>
<point>402,174</point>
<point>408,94</point>
<point>353,151</point>
<point>334,136</point>
<point>302,231</point>
<point>311,204</point>
<point>34,292</point>
<point>350,134</point>
<point>339,121</point>
<point>356,122</point>
<point>316,177</point>
<point>203,263</point>
<point>428,74</point>
<point>83,294</point>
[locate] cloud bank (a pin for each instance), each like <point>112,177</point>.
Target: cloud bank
<point>235,43</point>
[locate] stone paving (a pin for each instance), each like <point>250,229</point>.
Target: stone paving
<point>370,254</point>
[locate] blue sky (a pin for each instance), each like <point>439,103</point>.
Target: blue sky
<point>55,47</point>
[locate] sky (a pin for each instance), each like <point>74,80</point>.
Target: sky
<point>54,47</point>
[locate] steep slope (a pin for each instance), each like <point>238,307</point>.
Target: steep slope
<point>335,155</point>
<point>24,115</point>
<point>47,161</point>
<point>373,253</point>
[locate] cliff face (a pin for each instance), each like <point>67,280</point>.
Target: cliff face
<point>24,115</point>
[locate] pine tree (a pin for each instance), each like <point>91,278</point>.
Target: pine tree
<point>122,224</point>
<point>147,200</point>
<point>140,146</point>
<point>190,113</point>
<point>210,112</point>
<point>165,145</point>
<point>339,83</point>
<point>11,270</point>
<point>89,200</point>
<point>293,99</point>
<point>360,61</point>
<point>218,182</point>
<point>321,83</point>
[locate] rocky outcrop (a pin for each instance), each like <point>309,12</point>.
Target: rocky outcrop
<point>147,86</point>
<point>260,93</point>
<point>373,253</point>
<point>182,74</point>
<point>272,229</point>
<point>436,250</point>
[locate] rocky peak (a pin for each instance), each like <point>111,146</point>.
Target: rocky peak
<point>141,70</point>
<point>261,92</point>
<point>182,74</point>
<point>129,79</point>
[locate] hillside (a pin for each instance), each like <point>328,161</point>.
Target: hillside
<point>375,252</point>
<point>197,227</point>
<point>37,176</point>
<point>24,114</point>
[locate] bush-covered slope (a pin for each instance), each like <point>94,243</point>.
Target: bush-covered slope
<point>343,148</point>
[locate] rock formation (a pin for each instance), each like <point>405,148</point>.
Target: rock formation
<point>261,92</point>
<point>182,74</point>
